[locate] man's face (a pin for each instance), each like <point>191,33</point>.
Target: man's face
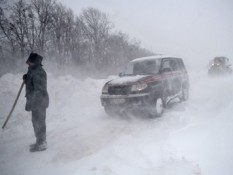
<point>30,64</point>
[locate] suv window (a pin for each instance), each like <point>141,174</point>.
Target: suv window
<point>166,66</point>
<point>174,65</point>
<point>181,64</point>
<point>144,67</point>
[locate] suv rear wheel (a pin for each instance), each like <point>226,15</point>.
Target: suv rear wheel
<point>184,94</point>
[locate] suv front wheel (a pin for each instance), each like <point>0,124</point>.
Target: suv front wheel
<point>109,110</point>
<point>184,93</point>
<point>158,107</point>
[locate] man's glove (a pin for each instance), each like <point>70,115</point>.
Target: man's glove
<point>25,78</point>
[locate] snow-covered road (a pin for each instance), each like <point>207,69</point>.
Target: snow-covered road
<point>191,138</point>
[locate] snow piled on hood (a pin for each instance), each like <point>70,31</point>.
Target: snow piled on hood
<point>191,138</point>
<point>126,80</point>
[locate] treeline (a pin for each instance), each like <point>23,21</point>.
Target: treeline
<point>52,30</point>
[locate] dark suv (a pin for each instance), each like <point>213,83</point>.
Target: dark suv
<point>220,66</point>
<point>148,84</point>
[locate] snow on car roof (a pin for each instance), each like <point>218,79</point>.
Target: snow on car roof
<point>152,58</point>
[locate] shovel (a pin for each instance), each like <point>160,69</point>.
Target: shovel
<point>13,107</point>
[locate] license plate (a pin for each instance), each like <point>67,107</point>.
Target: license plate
<point>117,101</point>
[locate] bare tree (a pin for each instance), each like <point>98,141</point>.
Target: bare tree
<point>42,18</point>
<point>53,30</point>
<point>18,24</point>
<point>96,28</point>
<point>62,33</point>
<point>7,30</point>
<point>57,24</point>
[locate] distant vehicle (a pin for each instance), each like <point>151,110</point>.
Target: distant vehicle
<point>148,84</point>
<point>220,66</point>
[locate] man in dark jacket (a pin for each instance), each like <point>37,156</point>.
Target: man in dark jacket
<point>37,99</point>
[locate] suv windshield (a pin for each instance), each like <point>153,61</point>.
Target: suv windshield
<point>145,67</point>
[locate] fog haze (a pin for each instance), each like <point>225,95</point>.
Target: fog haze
<point>192,137</point>
<point>196,30</point>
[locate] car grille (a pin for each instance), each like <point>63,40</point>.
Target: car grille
<point>118,90</point>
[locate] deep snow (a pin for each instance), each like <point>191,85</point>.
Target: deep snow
<point>191,138</point>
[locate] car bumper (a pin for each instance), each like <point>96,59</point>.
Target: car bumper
<point>125,101</point>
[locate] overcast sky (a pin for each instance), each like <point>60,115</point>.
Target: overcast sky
<point>194,29</point>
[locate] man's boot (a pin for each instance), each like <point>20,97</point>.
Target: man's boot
<point>41,146</point>
<point>32,145</point>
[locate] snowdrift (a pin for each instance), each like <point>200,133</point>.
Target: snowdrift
<point>191,138</point>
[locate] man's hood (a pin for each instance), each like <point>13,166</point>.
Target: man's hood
<point>35,58</point>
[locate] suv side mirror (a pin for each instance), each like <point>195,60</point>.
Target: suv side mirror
<point>121,74</point>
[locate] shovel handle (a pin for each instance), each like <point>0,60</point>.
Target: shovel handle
<point>13,107</point>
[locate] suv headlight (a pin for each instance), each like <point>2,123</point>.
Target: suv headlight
<point>138,87</point>
<point>105,89</point>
